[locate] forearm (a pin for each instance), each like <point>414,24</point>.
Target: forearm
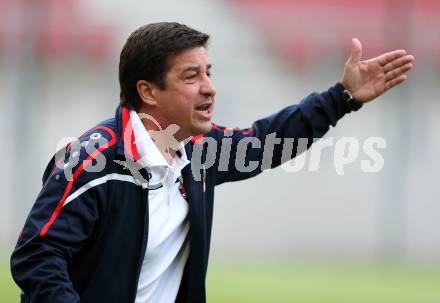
<point>265,141</point>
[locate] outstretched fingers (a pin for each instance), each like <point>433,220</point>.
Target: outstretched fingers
<point>397,72</point>
<point>394,82</point>
<point>398,63</point>
<point>397,67</point>
<point>390,57</point>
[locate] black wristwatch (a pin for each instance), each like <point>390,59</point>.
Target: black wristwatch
<point>352,102</point>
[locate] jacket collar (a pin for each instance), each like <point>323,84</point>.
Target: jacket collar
<point>126,145</point>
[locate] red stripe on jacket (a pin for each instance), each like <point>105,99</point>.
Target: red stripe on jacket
<point>76,174</point>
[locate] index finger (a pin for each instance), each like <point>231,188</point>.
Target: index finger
<point>390,56</point>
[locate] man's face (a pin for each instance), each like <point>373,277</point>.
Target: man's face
<point>188,99</point>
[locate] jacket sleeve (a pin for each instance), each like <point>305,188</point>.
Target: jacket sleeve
<point>60,223</point>
<point>261,146</point>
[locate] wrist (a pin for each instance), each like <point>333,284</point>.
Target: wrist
<point>354,104</point>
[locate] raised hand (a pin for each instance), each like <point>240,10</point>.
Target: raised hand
<point>366,80</point>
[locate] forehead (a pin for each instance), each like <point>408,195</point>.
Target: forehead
<point>190,58</point>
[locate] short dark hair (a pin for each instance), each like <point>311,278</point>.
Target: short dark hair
<point>146,54</point>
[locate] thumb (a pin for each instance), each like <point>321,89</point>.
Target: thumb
<point>356,51</point>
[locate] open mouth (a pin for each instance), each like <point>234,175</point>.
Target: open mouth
<point>204,111</point>
<point>206,107</point>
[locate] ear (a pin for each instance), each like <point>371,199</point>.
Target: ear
<point>146,92</point>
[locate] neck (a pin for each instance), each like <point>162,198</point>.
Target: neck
<point>164,138</point>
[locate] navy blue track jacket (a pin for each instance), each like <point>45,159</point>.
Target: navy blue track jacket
<point>86,235</point>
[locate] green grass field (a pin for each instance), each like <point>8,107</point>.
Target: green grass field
<point>9,292</point>
<point>307,283</point>
<point>303,283</point>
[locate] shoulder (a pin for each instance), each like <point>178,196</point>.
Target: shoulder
<point>88,154</point>
<point>99,140</point>
<point>101,137</point>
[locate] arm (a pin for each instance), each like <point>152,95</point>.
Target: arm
<point>311,118</point>
<point>59,224</point>
<point>262,146</point>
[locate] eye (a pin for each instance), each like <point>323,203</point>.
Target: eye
<point>208,74</point>
<point>191,76</point>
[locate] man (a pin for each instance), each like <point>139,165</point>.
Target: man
<point>122,216</point>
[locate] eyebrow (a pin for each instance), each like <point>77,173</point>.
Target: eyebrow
<point>195,68</point>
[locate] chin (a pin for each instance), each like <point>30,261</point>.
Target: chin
<point>203,129</point>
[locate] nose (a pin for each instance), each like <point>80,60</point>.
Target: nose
<point>207,87</point>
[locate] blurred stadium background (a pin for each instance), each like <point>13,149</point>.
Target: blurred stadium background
<point>280,237</point>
